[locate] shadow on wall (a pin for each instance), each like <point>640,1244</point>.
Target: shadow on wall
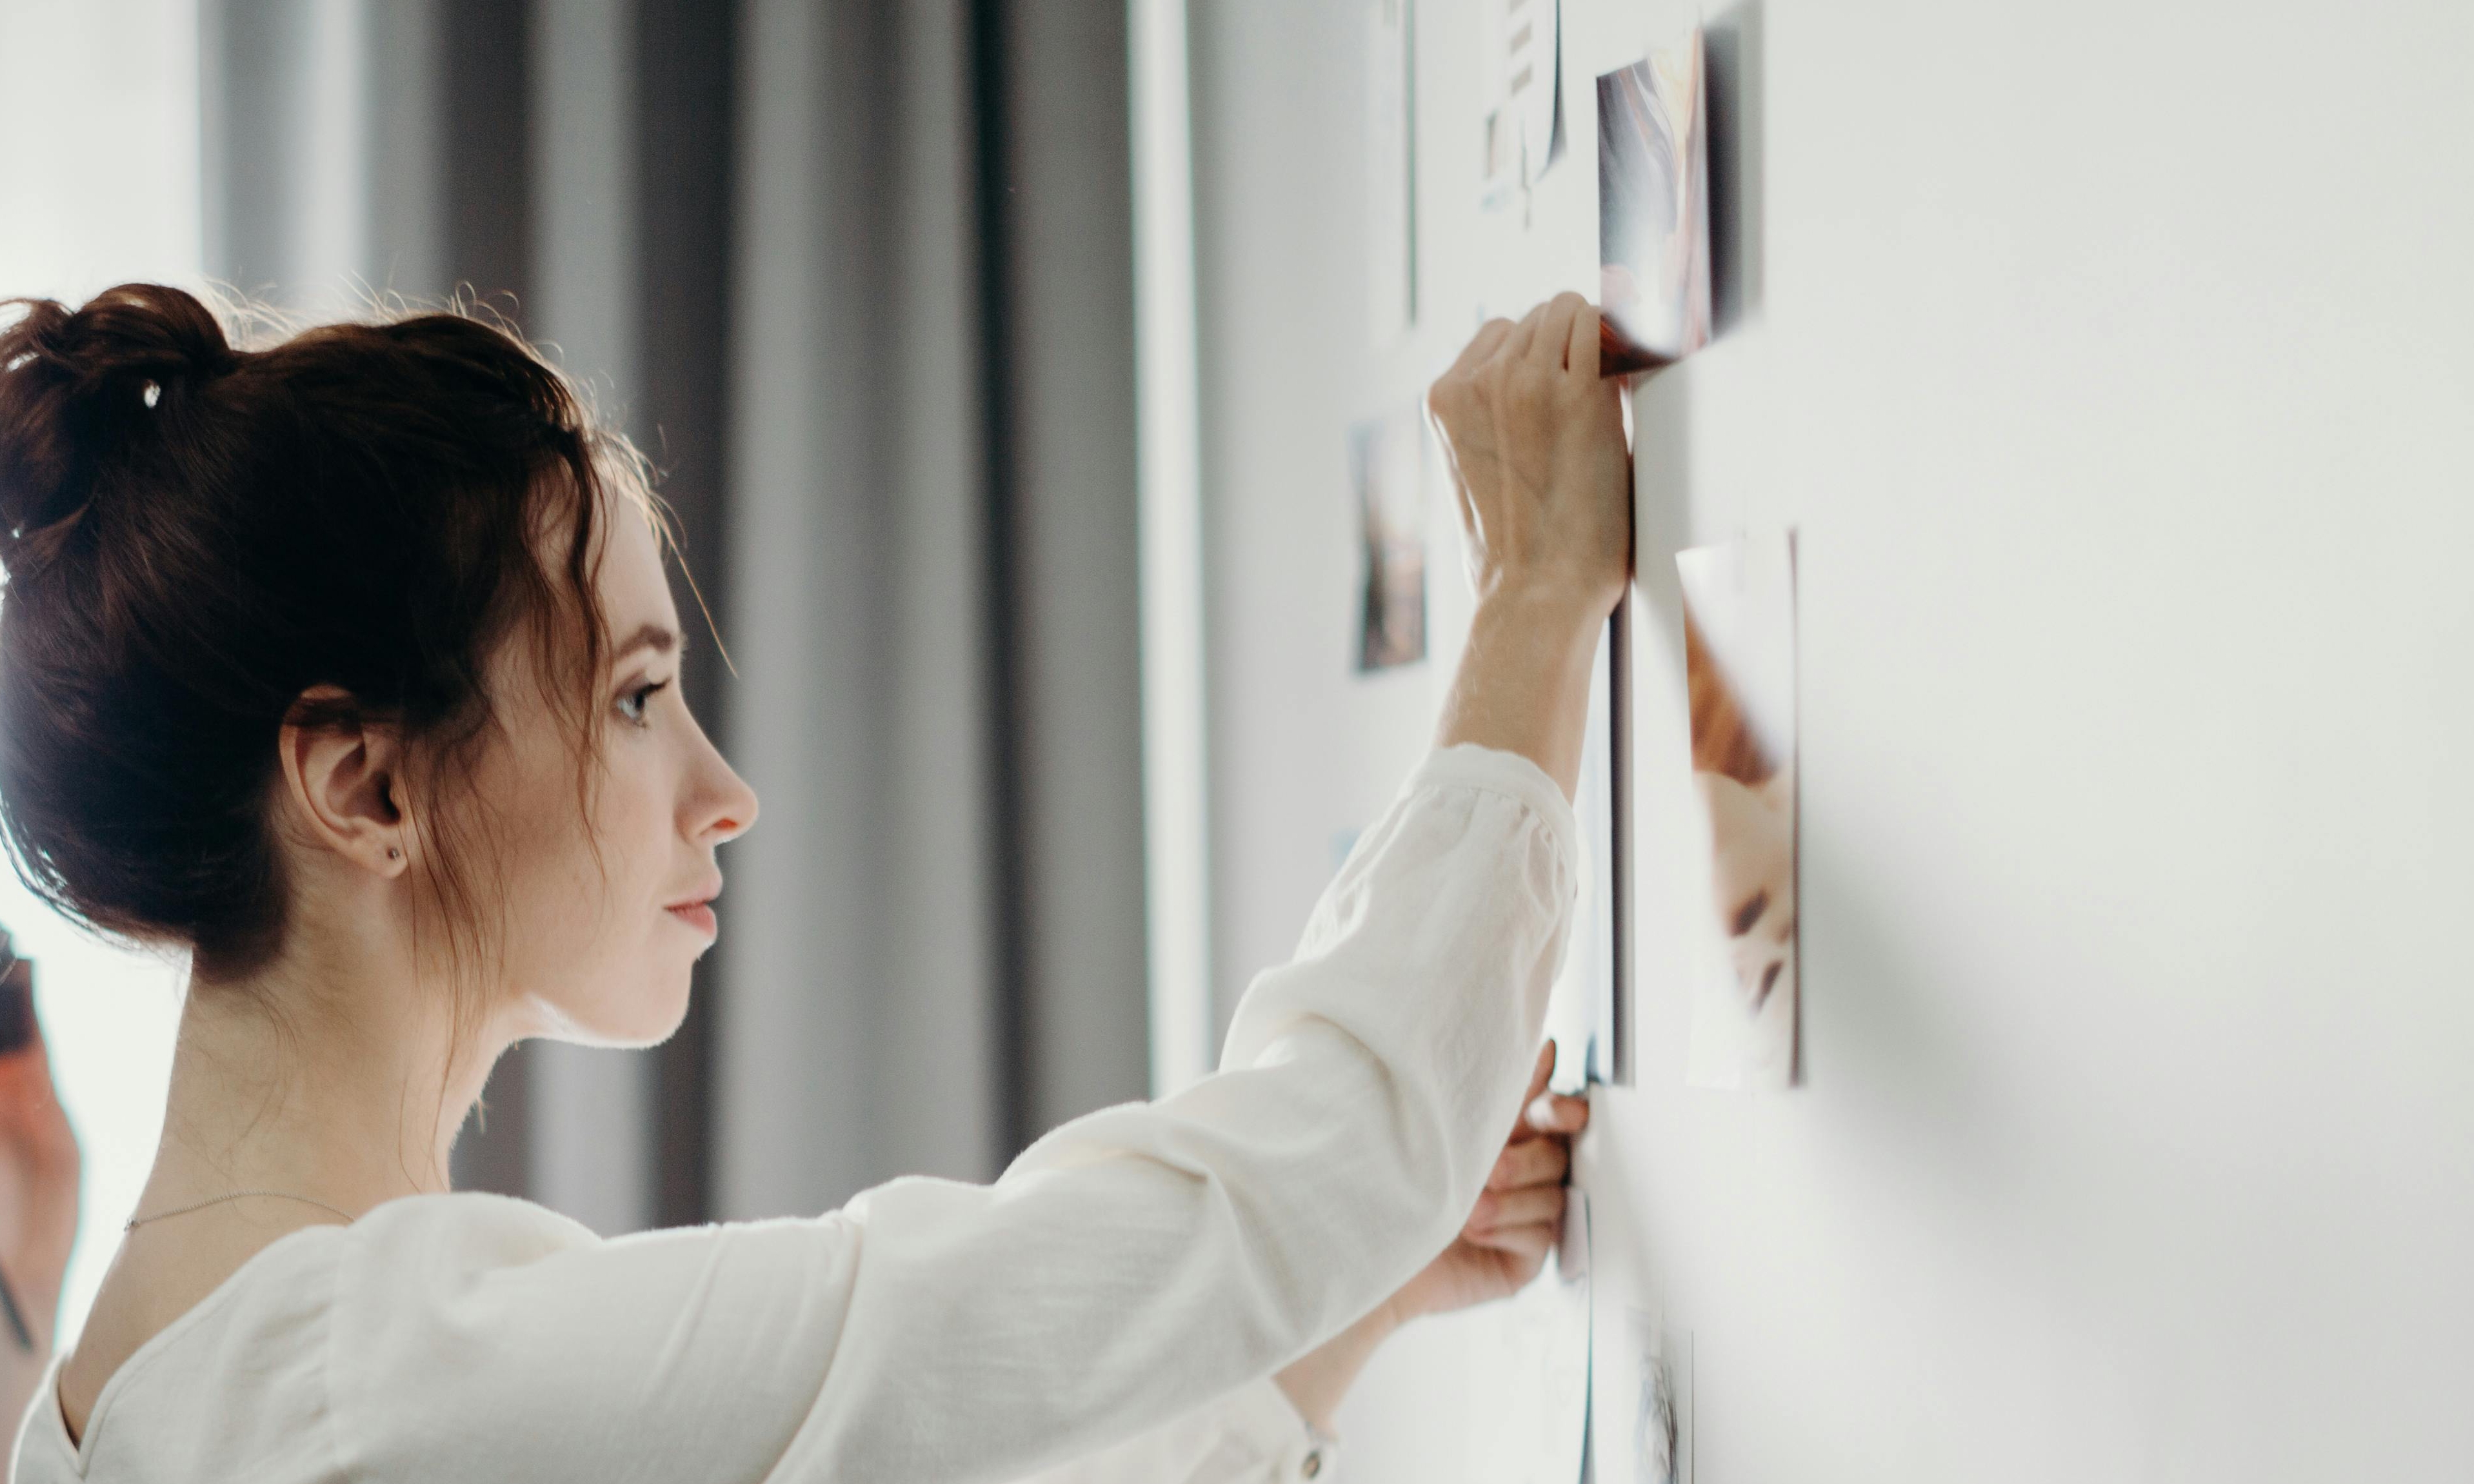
<point>1874,1042</point>
<point>1732,45</point>
<point>1662,441</point>
<point>1872,1045</point>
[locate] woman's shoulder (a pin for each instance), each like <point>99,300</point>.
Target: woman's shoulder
<point>242,1376</point>
<point>168,1374</point>
<point>416,1259</point>
<point>479,1337</point>
<point>289,1286</point>
<point>464,1227</point>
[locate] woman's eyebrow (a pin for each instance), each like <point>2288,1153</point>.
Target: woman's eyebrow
<point>652,637</point>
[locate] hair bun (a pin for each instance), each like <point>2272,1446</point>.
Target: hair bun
<point>74,383</point>
<point>137,331</point>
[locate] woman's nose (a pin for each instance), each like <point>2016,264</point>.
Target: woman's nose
<point>724,805</point>
<point>733,811</point>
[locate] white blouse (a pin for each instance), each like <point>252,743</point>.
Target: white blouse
<point>1108,1310</point>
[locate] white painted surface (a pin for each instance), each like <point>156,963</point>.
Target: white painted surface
<point>1177,844</point>
<point>2113,362</point>
<point>98,187</point>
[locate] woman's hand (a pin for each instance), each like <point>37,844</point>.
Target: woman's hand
<point>1535,439</point>
<point>1517,1220</point>
<point>1520,1217</point>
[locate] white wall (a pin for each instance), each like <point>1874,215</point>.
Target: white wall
<point>98,187</point>
<point>2112,360</point>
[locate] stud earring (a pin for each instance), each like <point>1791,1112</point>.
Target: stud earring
<point>394,854</point>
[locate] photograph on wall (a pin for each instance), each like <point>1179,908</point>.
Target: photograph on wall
<point>1391,171</point>
<point>1739,669</point>
<point>1654,210</point>
<point>1386,469</point>
<point>1499,180</point>
<point>1640,1428</point>
<point>1522,88</point>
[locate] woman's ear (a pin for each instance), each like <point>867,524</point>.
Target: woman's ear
<point>344,778</point>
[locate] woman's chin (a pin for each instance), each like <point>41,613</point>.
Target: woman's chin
<point>630,1027</point>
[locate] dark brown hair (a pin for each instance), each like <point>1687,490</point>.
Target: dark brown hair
<point>196,535</point>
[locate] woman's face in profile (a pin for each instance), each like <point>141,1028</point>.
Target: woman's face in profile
<point>599,951</point>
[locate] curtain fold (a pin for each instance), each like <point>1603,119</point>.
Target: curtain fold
<point>864,994</point>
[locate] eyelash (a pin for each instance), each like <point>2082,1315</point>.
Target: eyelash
<point>641,697</point>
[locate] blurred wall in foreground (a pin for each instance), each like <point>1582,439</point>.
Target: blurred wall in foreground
<point>98,187</point>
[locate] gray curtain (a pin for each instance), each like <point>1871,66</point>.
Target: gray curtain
<point>857,274</point>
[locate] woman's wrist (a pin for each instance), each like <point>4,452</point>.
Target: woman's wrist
<point>1315,1382</point>
<point>1548,604</point>
<point>1523,682</point>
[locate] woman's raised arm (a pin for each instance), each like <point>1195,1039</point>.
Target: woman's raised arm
<point>1535,442</point>
<point>1137,1262</point>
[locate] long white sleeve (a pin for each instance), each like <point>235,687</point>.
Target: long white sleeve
<point>1128,1270</point>
<point>1250,1436</point>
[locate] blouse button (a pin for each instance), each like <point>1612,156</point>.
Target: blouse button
<point>1312,1464</point>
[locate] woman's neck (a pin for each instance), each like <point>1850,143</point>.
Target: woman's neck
<point>323,1076</point>
<point>326,1077</point>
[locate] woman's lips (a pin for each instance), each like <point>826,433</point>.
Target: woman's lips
<point>697,914</point>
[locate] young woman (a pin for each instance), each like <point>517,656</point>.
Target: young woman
<point>348,666</point>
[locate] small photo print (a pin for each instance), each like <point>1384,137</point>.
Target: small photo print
<point>1654,210</point>
<point>1387,464</point>
<point>1739,667</point>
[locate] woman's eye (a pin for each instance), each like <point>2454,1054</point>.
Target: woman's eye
<point>633,703</point>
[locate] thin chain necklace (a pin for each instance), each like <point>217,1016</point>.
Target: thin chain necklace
<point>134,1222</point>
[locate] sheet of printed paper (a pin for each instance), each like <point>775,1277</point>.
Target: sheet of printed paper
<point>1387,471</point>
<point>1498,123</point>
<point>1739,665</point>
<point>1641,1416</point>
<point>1390,170</point>
<point>1534,49</point>
<point>1654,209</point>
<point>1521,93</point>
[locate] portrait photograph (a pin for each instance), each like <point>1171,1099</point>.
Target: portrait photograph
<point>1739,663</point>
<point>1654,210</point>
